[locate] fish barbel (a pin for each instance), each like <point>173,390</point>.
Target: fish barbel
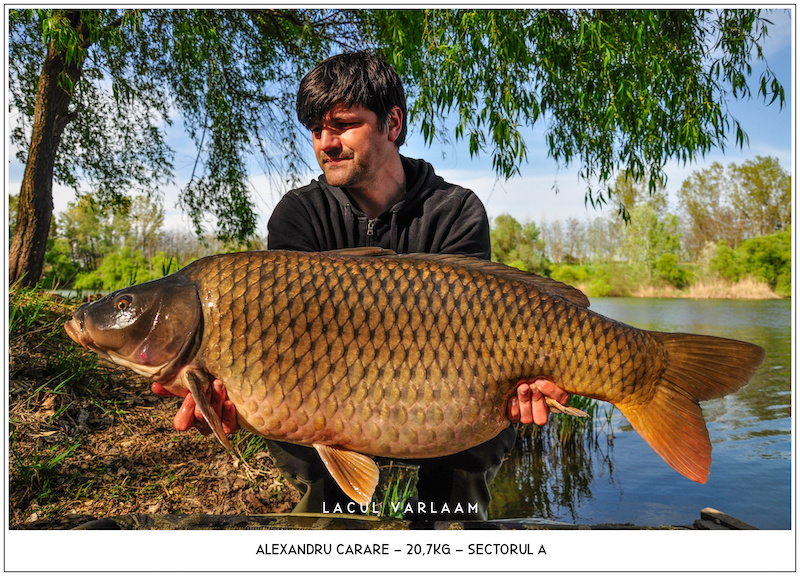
<point>364,353</point>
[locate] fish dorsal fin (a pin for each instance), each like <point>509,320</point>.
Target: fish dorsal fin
<point>356,474</point>
<point>554,287</point>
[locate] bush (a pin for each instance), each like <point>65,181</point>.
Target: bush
<point>766,258</point>
<point>726,263</point>
<point>571,274</point>
<point>59,267</point>
<point>666,269</point>
<point>783,287</point>
<point>598,280</point>
<point>118,270</point>
<point>612,279</point>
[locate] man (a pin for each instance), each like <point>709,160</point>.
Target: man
<point>369,195</point>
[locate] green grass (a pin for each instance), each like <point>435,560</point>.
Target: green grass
<point>25,310</point>
<point>51,380</point>
<point>41,471</point>
<point>397,483</point>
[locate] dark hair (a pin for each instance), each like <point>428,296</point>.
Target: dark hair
<point>352,79</point>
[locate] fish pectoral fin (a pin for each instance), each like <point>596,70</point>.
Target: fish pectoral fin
<point>356,473</point>
<point>195,382</point>
<point>557,408</point>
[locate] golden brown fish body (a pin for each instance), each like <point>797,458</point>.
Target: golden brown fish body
<point>416,356</point>
<point>392,356</point>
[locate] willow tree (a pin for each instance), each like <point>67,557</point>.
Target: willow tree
<point>95,90</point>
<point>619,90</point>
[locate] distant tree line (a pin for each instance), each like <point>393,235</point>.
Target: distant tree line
<point>96,248</point>
<point>731,223</point>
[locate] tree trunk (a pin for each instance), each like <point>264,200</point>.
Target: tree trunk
<point>51,115</point>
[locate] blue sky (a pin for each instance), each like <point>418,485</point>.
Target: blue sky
<point>530,196</point>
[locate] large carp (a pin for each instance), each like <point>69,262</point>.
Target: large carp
<point>364,352</point>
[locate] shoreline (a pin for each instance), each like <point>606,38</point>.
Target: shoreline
<point>747,289</point>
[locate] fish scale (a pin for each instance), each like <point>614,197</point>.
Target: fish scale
<point>364,352</point>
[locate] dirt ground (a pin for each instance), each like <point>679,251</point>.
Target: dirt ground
<point>88,439</point>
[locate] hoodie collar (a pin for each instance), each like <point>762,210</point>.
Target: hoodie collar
<point>421,180</point>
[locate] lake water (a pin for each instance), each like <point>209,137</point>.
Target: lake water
<point>621,480</point>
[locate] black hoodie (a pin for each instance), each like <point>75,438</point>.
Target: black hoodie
<point>433,217</point>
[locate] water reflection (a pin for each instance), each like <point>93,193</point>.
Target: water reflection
<point>545,481</point>
<point>624,481</point>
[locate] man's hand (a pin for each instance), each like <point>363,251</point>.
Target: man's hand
<point>189,415</point>
<point>529,405</point>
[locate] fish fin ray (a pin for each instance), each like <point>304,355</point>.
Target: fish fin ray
<point>356,473</point>
<point>673,426</point>
<point>558,408</point>
<point>194,380</point>
<point>697,368</point>
<point>707,367</point>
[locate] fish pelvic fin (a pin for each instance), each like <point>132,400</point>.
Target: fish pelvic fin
<point>356,474</point>
<point>697,368</point>
<point>558,408</point>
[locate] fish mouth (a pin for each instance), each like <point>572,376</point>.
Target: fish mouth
<point>75,331</point>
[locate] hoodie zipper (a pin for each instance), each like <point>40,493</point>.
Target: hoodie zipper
<point>371,232</point>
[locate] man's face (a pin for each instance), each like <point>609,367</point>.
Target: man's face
<point>350,146</point>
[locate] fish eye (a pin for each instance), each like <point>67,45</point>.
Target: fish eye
<point>123,303</point>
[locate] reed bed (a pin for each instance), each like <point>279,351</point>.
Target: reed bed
<point>745,289</point>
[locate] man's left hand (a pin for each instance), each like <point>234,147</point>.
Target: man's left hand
<point>529,405</point>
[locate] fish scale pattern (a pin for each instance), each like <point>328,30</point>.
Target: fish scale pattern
<point>398,356</point>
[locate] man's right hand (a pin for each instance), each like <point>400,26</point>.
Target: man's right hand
<point>189,415</point>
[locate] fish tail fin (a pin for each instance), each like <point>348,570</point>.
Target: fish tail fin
<point>697,368</point>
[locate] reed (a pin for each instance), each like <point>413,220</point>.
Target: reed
<point>564,432</point>
<point>745,289</point>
